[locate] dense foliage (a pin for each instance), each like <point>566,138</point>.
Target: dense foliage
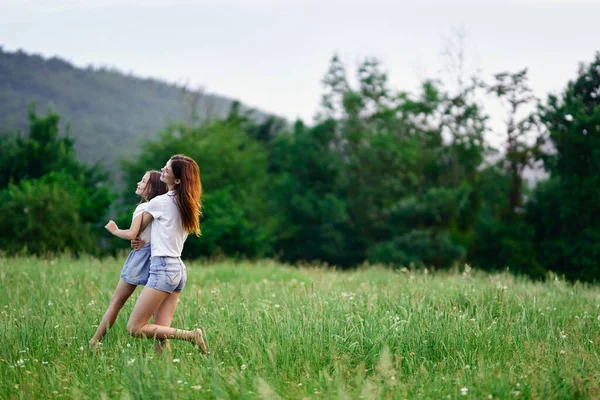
<point>382,176</point>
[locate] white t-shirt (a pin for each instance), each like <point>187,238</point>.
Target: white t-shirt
<point>168,234</point>
<point>145,235</point>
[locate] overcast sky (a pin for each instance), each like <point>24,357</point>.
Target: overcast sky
<point>273,54</point>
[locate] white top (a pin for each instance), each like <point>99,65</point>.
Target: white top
<point>146,233</point>
<point>168,234</point>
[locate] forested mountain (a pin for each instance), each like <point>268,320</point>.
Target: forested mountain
<point>109,112</point>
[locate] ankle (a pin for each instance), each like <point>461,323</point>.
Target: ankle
<point>94,344</point>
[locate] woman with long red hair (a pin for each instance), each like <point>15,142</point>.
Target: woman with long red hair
<point>173,216</point>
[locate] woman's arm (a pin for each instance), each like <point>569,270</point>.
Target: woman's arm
<point>138,224</point>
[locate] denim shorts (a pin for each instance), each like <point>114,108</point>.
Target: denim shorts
<point>137,266</point>
<point>167,274</point>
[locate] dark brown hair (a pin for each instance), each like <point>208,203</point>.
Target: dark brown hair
<point>154,186</point>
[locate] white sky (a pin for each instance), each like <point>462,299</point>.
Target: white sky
<point>273,54</point>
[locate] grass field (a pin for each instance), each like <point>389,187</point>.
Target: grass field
<point>276,331</point>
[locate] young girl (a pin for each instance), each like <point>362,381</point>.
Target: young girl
<point>173,216</point>
<point>137,266</point>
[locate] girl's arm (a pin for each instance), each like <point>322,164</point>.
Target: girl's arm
<point>146,219</point>
<point>137,225</point>
<point>137,243</point>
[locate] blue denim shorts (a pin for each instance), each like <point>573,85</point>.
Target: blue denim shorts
<point>167,274</point>
<point>137,266</point>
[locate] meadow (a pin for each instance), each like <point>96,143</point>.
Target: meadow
<point>279,331</point>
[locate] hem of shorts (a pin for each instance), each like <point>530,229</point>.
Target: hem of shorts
<point>133,282</point>
<point>160,290</point>
<point>165,291</point>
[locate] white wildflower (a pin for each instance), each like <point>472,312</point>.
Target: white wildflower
<point>464,391</point>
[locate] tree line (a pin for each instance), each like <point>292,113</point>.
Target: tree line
<point>382,176</point>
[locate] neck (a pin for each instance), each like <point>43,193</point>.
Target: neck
<point>172,187</point>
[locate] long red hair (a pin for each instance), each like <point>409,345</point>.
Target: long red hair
<point>188,192</point>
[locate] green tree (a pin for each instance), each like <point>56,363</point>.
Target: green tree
<point>524,138</point>
<point>43,217</point>
<point>573,120</point>
<point>500,243</point>
<point>504,236</point>
<point>394,176</point>
<point>233,168</point>
<point>78,196</point>
<point>312,217</point>
<point>39,152</point>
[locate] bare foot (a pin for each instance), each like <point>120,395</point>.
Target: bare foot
<point>161,345</point>
<point>94,345</point>
<point>198,340</point>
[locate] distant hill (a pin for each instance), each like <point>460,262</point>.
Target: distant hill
<point>109,112</point>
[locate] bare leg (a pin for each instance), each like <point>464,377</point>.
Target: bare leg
<point>149,302</point>
<point>123,291</point>
<point>164,317</point>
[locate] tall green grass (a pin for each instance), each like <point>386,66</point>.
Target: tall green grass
<point>278,331</point>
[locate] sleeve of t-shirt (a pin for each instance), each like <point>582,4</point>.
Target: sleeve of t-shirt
<point>155,207</point>
<point>139,209</point>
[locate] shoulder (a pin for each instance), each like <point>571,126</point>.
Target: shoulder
<point>140,207</point>
<point>158,205</point>
<point>159,199</point>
